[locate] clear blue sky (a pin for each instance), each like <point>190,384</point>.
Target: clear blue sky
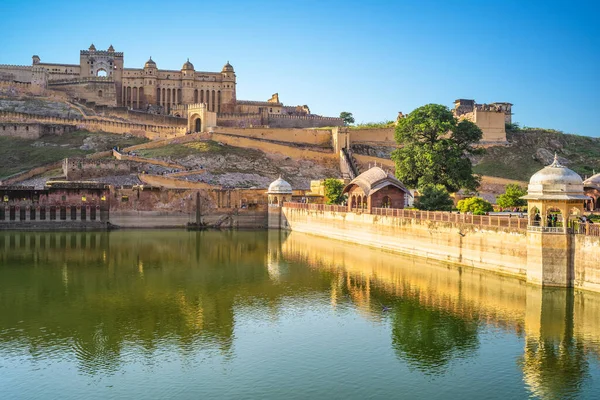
<point>372,58</point>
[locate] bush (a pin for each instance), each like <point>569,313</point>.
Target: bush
<point>434,198</point>
<point>475,205</point>
<point>333,191</point>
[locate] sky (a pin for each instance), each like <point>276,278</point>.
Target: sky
<point>371,58</point>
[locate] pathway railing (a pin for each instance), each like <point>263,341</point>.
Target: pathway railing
<point>440,216</point>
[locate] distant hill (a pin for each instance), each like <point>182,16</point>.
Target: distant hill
<point>529,150</point>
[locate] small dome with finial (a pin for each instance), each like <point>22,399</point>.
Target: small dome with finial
<point>111,49</point>
<point>187,66</point>
<point>227,67</point>
<point>92,47</point>
<point>279,186</point>
<point>150,63</point>
<point>555,182</point>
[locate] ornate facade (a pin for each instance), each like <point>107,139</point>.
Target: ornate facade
<point>101,78</point>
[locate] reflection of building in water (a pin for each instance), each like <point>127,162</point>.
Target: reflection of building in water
<point>554,361</point>
<point>437,311</point>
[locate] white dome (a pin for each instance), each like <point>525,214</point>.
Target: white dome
<point>279,186</point>
<point>555,182</point>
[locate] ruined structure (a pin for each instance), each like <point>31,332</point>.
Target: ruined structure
<point>490,118</point>
<point>101,78</point>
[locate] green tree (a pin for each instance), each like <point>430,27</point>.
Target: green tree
<point>475,205</point>
<point>333,191</point>
<point>435,149</point>
<point>434,198</point>
<point>512,196</point>
<point>347,117</point>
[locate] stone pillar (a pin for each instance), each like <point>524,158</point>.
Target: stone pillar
<point>137,93</point>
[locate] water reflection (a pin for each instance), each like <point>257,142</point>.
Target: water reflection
<point>101,296</point>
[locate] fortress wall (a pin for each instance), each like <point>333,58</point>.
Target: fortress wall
<point>500,250</point>
<point>21,176</point>
<point>18,73</point>
<point>21,87</point>
<point>98,91</point>
<point>83,168</point>
<point>102,125</point>
<point>492,124</point>
<point>21,130</point>
<point>125,157</point>
<point>267,147</point>
<point>142,117</point>
<point>301,121</point>
<point>372,136</point>
<point>365,161</point>
<point>240,120</point>
<point>317,137</point>
<point>163,142</point>
<point>172,183</point>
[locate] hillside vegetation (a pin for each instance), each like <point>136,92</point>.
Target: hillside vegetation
<point>18,155</point>
<point>532,149</point>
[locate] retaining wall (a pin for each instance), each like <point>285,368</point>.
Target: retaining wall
<point>315,137</point>
<point>500,250</point>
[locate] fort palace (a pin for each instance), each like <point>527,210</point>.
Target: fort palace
<point>101,78</point>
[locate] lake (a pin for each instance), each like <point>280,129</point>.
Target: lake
<point>270,315</point>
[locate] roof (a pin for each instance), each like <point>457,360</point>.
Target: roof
<point>374,179</point>
<point>555,182</point>
<point>279,186</point>
<point>592,181</point>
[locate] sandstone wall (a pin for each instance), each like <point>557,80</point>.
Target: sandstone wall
<point>299,121</point>
<point>373,136</point>
<point>83,168</point>
<point>316,137</point>
<point>18,73</point>
<point>21,130</point>
<point>587,262</point>
<point>496,249</point>
<point>492,124</point>
<point>267,147</point>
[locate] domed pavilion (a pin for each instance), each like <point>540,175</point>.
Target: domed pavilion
<point>554,189</point>
<point>375,188</point>
<point>279,192</point>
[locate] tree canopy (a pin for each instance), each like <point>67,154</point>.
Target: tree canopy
<point>434,198</point>
<point>347,117</point>
<point>475,205</point>
<point>512,196</point>
<point>435,148</point>
<point>333,191</point>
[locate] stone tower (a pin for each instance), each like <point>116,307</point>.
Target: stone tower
<point>187,81</point>
<point>554,197</point>
<point>279,192</point>
<point>103,63</point>
<point>228,97</point>
<point>150,82</point>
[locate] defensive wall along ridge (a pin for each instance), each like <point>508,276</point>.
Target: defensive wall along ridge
<point>500,249</point>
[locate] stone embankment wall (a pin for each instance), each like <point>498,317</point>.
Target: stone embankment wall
<point>83,168</point>
<point>270,147</point>
<point>587,262</point>
<point>315,137</point>
<point>302,121</point>
<point>372,136</point>
<point>21,176</point>
<point>500,250</point>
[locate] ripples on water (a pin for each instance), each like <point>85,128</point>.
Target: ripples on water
<point>161,314</point>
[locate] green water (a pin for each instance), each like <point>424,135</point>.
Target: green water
<point>257,315</point>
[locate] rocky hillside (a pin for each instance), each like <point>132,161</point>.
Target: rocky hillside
<point>232,166</point>
<point>529,150</point>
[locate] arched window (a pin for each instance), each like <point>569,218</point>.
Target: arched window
<point>101,72</point>
<point>386,202</point>
<point>99,93</point>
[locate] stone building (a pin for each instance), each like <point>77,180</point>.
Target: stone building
<point>490,118</point>
<point>375,188</point>
<point>101,77</point>
<point>72,205</point>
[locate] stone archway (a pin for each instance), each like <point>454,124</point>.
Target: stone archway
<point>101,73</point>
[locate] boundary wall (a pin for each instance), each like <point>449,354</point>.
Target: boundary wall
<point>315,137</point>
<point>92,124</point>
<point>497,249</point>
